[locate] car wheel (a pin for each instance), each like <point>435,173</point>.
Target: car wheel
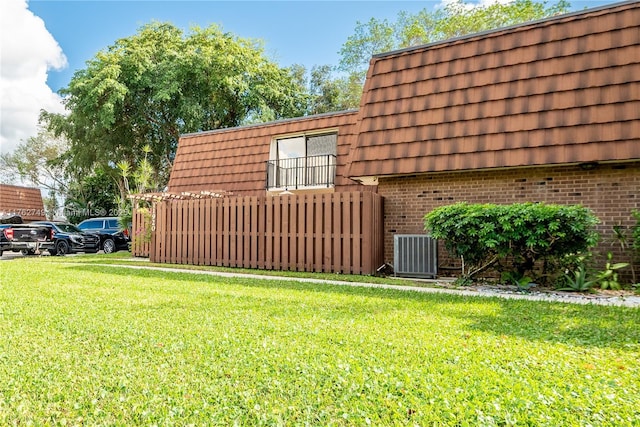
<point>108,246</point>
<point>27,252</point>
<point>62,247</point>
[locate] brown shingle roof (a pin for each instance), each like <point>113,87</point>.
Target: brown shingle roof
<point>23,201</point>
<point>561,90</point>
<point>235,159</point>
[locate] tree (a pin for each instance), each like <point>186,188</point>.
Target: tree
<point>328,93</point>
<point>372,37</point>
<point>40,161</point>
<point>149,88</point>
<point>456,18</point>
<point>51,205</point>
<point>324,92</point>
<point>92,195</point>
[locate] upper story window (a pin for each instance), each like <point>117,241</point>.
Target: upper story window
<point>302,161</point>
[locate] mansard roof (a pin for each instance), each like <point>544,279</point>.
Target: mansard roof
<point>559,90</point>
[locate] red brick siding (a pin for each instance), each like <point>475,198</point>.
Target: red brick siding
<point>612,191</point>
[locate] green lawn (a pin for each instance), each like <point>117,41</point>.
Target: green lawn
<point>91,345</point>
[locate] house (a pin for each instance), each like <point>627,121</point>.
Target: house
<point>22,201</point>
<point>544,111</point>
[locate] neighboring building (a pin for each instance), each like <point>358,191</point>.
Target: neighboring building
<point>23,201</point>
<point>544,111</point>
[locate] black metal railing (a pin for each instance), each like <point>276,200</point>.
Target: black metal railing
<point>312,171</point>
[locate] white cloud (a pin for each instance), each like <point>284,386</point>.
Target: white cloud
<point>27,52</point>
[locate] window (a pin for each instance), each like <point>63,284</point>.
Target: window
<point>291,148</point>
<point>91,225</point>
<point>302,161</point>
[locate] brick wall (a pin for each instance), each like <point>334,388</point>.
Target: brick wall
<point>612,191</point>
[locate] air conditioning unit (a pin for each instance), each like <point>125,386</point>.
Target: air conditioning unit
<point>415,255</point>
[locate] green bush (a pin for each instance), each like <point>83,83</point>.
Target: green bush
<point>636,232</point>
<point>512,238</point>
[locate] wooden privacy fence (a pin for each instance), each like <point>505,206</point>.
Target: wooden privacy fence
<point>336,232</point>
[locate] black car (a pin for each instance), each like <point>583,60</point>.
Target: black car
<point>70,239</point>
<point>112,237</point>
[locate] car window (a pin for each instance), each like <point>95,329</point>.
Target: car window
<point>48,224</point>
<point>68,228</point>
<point>113,223</point>
<point>86,225</point>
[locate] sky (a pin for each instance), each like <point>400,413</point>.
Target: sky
<point>43,42</point>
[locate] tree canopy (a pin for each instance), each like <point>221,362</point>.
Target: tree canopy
<point>92,195</point>
<point>456,18</point>
<point>149,88</point>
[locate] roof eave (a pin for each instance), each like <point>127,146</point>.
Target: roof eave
<point>590,164</point>
<point>271,123</point>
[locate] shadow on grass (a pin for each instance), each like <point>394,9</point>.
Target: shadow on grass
<point>290,283</point>
<point>572,324</point>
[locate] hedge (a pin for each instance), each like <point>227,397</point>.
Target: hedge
<point>512,238</point>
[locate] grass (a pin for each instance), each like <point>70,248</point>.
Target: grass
<point>105,345</point>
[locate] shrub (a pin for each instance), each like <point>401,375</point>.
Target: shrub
<point>635,234</point>
<point>629,242</point>
<point>635,244</point>
<point>511,238</point>
<point>608,278</point>
<point>578,281</point>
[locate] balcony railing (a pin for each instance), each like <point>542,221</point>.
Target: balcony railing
<point>300,172</point>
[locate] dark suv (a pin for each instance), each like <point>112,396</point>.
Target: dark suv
<point>112,237</point>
